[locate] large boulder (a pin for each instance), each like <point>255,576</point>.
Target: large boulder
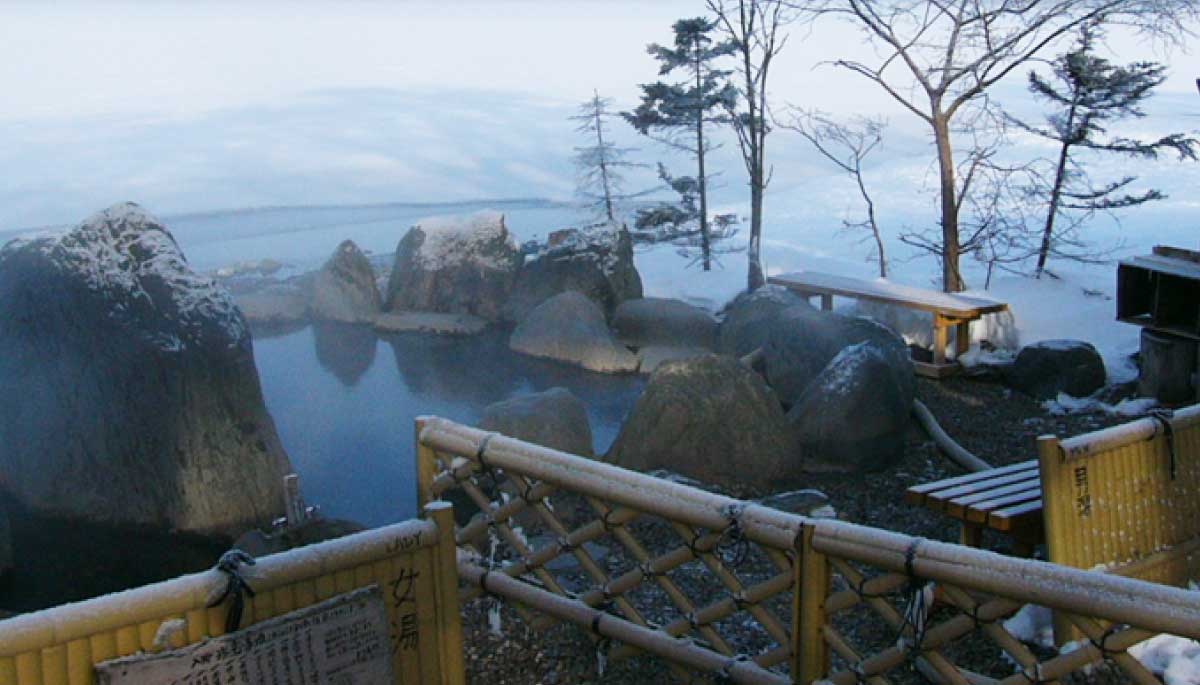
<point>746,321</point>
<point>554,418</point>
<point>802,340</point>
<point>711,419</point>
<point>128,390</point>
<point>854,415</point>
<point>654,321</point>
<point>455,264</point>
<point>571,328</point>
<point>344,289</point>
<point>596,261</point>
<point>1046,368</point>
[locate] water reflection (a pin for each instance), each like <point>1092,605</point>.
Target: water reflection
<point>345,350</point>
<point>346,416</point>
<point>474,369</point>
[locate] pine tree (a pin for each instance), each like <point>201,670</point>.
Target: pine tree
<point>600,163</point>
<point>679,113</point>
<point>1088,93</point>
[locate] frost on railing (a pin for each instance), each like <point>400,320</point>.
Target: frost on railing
<point>754,595</point>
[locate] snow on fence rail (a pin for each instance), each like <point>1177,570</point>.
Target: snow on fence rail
<point>757,595</point>
<point>413,564</point>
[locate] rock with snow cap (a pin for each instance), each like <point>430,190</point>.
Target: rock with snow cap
<point>596,261</point>
<point>128,390</point>
<point>802,340</point>
<point>455,265</point>
<point>854,414</point>
<point>1046,368</point>
<point>746,321</point>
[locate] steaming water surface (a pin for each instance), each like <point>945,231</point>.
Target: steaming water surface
<point>344,400</point>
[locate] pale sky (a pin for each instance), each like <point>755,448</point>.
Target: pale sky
<point>205,105</point>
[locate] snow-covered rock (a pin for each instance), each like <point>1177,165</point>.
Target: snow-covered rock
<point>803,340</point>
<point>455,264</point>
<point>128,390</point>
<point>1047,368</point>
<point>344,289</point>
<point>596,261</point>
<point>854,414</point>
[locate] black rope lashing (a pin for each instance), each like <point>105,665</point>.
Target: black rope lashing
<point>733,545</point>
<point>484,467</point>
<point>565,546</point>
<point>648,572</point>
<point>1033,674</point>
<point>725,675</point>
<point>740,601</point>
<point>1102,644</point>
<point>609,526</point>
<point>916,604</point>
<point>1162,419</point>
<point>236,587</point>
<point>526,494</point>
<point>692,546</point>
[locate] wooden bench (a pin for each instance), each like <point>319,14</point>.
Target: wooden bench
<point>948,309</point>
<point>1006,499</point>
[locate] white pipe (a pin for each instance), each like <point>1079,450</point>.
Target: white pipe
<point>949,447</point>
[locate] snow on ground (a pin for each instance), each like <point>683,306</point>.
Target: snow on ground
<point>1174,659</point>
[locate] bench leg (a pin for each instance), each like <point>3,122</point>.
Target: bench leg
<point>962,339</point>
<point>939,342</point>
<point>827,303</point>
<point>970,535</point>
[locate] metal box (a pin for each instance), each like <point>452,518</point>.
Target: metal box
<point>1161,291</point>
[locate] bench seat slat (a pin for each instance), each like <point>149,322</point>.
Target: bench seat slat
<point>984,486</point>
<point>945,483</point>
<point>979,511</point>
<point>1028,514</point>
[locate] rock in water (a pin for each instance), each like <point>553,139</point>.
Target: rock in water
<point>554,418</point>
<point>455,265</point>
<point>1047,368</point>
<point>854,415</point>
<point>344,289</point>
<point>571,328</point>
<point>596,261</point>
<point>655,321</point>
<point>711,419</point>
<point>128,390</point>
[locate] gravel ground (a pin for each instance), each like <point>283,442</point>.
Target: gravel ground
<point>998,425</point>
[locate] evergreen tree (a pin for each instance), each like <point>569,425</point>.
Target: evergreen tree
<point>600,163</point>
<point>678,113</point>
<point>1088,93</point>
<point>679,222</point>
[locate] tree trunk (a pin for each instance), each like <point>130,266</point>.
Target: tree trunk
<point>608,202</point>
<point>1060,175</point>
<point>951,276</point>
<point>755,277</point>
<point>705,247</point>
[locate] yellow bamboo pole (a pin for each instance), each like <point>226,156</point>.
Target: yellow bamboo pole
<point>426,466</point>
<point>810,654</point>
<point>449,625</point>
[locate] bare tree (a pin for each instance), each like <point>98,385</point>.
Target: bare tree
<point>754,28</point>
<point>1087,93</point>
<point>938,56</point>
<point>847,145</point>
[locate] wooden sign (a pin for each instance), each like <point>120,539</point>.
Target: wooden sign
<point>342,641</point>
